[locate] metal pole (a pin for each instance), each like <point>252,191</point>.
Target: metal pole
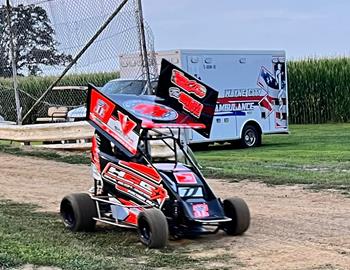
<point>76,58</point>
<point>14,66</point>
<point>144,48</point>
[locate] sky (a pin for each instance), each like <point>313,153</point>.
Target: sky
<point>303,28</point>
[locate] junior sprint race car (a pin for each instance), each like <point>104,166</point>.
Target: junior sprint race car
<point>159,195</point>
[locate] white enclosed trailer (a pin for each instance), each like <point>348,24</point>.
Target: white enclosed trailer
<point>252,85</point>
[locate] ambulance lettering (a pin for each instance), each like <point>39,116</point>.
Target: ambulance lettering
<point>230,107</point>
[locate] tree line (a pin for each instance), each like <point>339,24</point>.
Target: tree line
<point>34,41</point>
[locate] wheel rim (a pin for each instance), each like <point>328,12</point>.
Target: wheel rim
<point>231,213</point>
<point>68,214</point>
<point>250,137</point>
<point>145,231</point>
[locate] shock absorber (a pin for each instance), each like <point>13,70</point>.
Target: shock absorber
<point>176,209</point>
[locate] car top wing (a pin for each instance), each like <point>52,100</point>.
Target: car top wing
<point>120,118</point>
<point>187,95</point>
<point>113,121</point>
<point>181,101</point>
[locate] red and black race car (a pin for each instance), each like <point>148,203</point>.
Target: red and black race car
<point>159,195</point>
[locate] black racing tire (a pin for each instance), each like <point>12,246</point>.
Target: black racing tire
<point>153,228</point>
<point>77,211</point>
<point>236,209</point>
<point>251,137</point>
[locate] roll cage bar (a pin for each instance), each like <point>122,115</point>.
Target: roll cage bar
<point>146,137</point>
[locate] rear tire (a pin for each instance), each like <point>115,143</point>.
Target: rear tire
<point>251,137</point>
<point>236,209</point>
<point>153,228</point>
<point>77,211</point>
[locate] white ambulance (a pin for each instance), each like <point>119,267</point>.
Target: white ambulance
<point>252,85</point>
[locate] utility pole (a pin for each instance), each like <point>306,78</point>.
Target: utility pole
<point>14,66</point>
<point>144,52</point>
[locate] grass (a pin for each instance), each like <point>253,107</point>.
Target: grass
<point>31,237</point>
<point>71,158</point>
<point>312,154</point>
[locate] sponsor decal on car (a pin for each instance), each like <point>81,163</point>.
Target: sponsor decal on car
<point>190,86</point>
<point>185,178</point>
<point>193,192</point>
<point>150,110</point>
<point>189,104</point>
<point>110,118</point>
<point>123,130</point>
<point>143,187</point>
<point>101,107</point>
<point>200,210</point>
<point>193,100</point>
<point>126,124</point>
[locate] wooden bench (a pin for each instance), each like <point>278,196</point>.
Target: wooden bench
<point>54,114</point>
<point>59,114</point>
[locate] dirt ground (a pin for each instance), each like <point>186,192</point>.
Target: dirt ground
<point>291,228</point>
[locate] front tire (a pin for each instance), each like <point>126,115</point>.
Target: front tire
<point>77,211</point>
<point>236,209</point>
<point>153,228</point>
<point>251,137</point>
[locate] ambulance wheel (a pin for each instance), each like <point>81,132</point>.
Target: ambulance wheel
<point>77,211</point>
<point>250,137</point>
<point>236,209</point>
<point>153,228</point>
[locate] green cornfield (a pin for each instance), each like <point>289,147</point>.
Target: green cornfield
<point>34,85</point>
<point>31,88</point>
<point>319,91</point>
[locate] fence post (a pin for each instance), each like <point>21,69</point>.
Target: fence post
<point>144,52</point>
<point>13,63</point>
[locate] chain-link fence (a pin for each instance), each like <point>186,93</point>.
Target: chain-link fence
<point>41,38</point>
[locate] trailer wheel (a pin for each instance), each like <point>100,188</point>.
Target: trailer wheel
<point>237,209</point>
<point>77,211</point>
<point>250,136</point>
<point>153,228</point>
